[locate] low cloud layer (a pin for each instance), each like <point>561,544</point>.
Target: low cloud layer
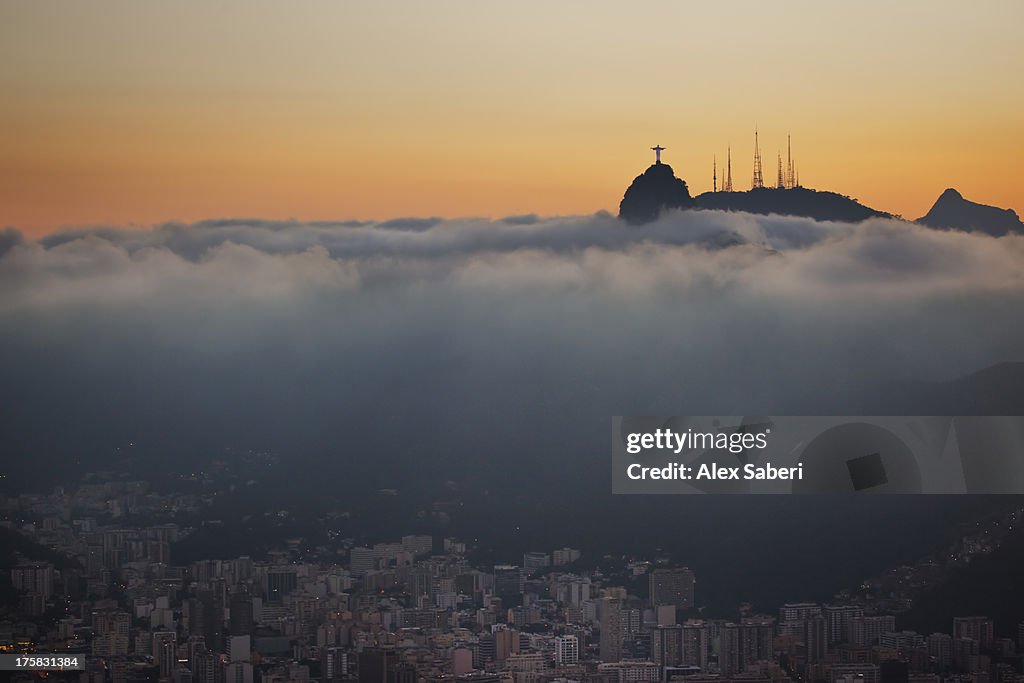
<point>303,333</point>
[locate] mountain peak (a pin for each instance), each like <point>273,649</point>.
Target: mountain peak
<point>952,212</point>
<point>661,168</point>
<point>652,192</point>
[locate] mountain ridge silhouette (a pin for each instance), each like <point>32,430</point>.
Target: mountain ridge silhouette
<point>821,205</point>
<point>657,190</point>
<point>952,211</point>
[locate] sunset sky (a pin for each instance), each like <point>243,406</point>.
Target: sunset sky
<point>139,113</point>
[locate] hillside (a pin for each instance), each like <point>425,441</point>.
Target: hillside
<point>989,585</point>
<point>800,201</point>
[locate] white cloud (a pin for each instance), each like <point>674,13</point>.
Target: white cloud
<point>580,313</point>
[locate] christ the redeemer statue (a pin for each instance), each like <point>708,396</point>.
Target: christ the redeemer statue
<point>657,153</point>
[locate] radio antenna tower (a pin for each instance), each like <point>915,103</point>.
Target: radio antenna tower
<point>790,174</point>
<point>728,172</point>
<point>758,181</point>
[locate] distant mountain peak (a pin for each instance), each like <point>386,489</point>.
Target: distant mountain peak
<point>652,192</point>
<point>952,212</point>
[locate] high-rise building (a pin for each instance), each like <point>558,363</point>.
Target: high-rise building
<point>165,651</point>
<point>612,631</point>
<point>589,610</point>
<point>741,645</point>
<point>665,615</point>
<point>280,582</point>
<point>207,668</point>
<point>334,663</point>
<point>240,648</point>
<point>793,617</point>
<point>838,618</point>
<point>110,633</point>
<point>940,650</point>
<point>696,640</point>
<point>374,664</point>
<point>902,640</point>
<point>33,577</point>
<point>462,661</point>
<point>567,650</point>
<point>966,653</point>
<point>238,672</point>
<point>240,620</point>
<point>242,568</point>
<point>485,651</point>
<point>976,628</point>
<point>533,562</point>
<point>382,665</point>
<point>361,560</point>
<point>417,545</point>
<point>204,615</point>
<point>667,645</point>
<point>572,590</point>
<point>815,637</point>
<point>672,587</point>
<point>508,584</point>
<point>632,620</point>
<point>637,645</point>
<point>564,556</point>
<point>732,655</point>
<point>506,643</point>
<point>866,631</point>
<point>195,645</point>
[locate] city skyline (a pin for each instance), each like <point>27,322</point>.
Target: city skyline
<point>105,574</point>
<point>179,113</point>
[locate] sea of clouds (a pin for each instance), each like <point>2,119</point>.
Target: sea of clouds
<point>266,328</point>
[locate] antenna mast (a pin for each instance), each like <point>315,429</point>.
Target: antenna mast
<point>790,175</point>
<point>728,177</point>
<point>758,181</point>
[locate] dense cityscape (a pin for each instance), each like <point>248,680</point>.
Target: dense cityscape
<point>417,609</point>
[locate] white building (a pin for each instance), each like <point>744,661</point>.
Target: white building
<point>567,650</point>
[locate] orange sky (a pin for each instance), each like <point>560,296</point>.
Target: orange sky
<point>146,112</point>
